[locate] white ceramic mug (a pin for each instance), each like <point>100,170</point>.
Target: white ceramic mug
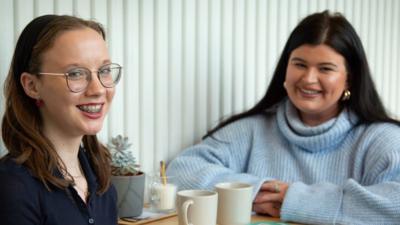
<point>234,203</point>
<point>197,207</point>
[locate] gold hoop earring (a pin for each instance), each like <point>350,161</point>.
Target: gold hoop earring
<point>346,95</point>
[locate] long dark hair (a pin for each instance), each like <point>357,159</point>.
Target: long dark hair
<point>22,123</point>
<point>336,32</point>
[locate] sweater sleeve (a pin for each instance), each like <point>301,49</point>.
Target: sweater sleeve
<point>375,199</point>
<point>220,158</point>
<point>17,200</point>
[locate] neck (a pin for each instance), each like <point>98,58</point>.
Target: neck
<point>317,119</point>
<point>67,148</point>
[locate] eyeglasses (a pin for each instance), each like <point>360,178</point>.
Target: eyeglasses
<point>78,78</point>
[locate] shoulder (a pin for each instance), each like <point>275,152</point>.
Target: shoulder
<point>381,141</point>
<point>248,122</point>
<point>16,180</point>
<point>10,169</point>
<point>382,133</point>
<point>246,127</point>
<point>380,145</point>
<point>19,194</point>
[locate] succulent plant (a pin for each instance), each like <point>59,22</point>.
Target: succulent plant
<point>123,162</point>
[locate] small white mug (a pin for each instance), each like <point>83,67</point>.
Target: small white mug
<point>197,207</point>
<point>234,203</point>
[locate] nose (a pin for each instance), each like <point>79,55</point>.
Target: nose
<point>310,75</point>
<point>95,87</point>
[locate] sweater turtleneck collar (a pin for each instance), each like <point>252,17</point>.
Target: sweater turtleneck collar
<point>323,137</point>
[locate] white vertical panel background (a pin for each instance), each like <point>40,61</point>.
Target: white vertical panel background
<point>189,70</point>
<point>63,6</point>
<point>214,62</point>
<point>249,62</point>
<point>238,54</point>
<point>226,86</point>
<point>131,73</point>
<point>189,63</point>
<point>261,45</point>
<point>177,90</point>
<point>201,67</point>
<point>161,81</point>
<point>43,7</point>
<point>147,81</point>
<point>115,31</point>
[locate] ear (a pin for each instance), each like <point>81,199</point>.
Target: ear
<point>30,83</point>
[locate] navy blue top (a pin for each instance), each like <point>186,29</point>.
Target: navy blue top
<point>24,200</point>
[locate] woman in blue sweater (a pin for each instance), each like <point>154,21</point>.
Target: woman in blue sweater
<point>58,91</point>
<point>319,147</point>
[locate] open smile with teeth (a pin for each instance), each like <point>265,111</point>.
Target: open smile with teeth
<point>310,92</point>
<point>91,108</point>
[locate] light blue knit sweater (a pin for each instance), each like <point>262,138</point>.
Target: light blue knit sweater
<point>338,173</point>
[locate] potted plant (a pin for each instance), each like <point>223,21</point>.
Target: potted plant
<point>127,178</point>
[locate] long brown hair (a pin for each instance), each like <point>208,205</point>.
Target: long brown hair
<point>22,123</point>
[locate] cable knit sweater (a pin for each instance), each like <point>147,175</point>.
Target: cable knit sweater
<point>339,173</point>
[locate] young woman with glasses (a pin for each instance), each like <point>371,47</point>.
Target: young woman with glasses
<point>58,91</point>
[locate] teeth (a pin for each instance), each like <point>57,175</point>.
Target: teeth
<point>90,108</point>
<point>311,92</point>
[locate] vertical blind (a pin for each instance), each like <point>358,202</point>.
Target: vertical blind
<point>189,63</point>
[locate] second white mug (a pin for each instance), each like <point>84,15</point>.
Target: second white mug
<point>234,203</point>
<point>197,207</point>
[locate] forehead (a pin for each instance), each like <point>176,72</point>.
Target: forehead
<point>83,46</point>
<point>318,53</point>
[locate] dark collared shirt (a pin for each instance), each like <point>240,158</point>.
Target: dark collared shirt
<point>24,200</point>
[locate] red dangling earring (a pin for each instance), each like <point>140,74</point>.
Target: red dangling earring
<point>39,102</point>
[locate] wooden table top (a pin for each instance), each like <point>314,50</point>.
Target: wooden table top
<point>172,219</point>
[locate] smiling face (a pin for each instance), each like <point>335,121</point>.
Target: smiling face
<point>315,81</point>
<point>66,113</point>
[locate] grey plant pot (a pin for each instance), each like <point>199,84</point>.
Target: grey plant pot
<point>130,191</point>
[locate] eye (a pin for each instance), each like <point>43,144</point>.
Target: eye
<point>325,69</point>
<point>76,74</point>
<point>105,71</point>
<point>300,65</point>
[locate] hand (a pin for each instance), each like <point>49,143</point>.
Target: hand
<point>270,198</point>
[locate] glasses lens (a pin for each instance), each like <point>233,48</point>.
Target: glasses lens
<point>110,74</point>
<point>78,79</point>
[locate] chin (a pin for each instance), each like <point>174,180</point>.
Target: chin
<point>92,130</point>
<point>92,133</point>
<point>307,106</point>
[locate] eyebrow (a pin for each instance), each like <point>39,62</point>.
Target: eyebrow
<point>321,64</point>
<point>106,61</point>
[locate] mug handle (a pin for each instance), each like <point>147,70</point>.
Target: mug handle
<point>185,207</point>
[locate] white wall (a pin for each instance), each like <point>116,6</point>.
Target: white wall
<point>188,63</point>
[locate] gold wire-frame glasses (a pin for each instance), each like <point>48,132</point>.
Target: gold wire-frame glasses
<point>79,78</point>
